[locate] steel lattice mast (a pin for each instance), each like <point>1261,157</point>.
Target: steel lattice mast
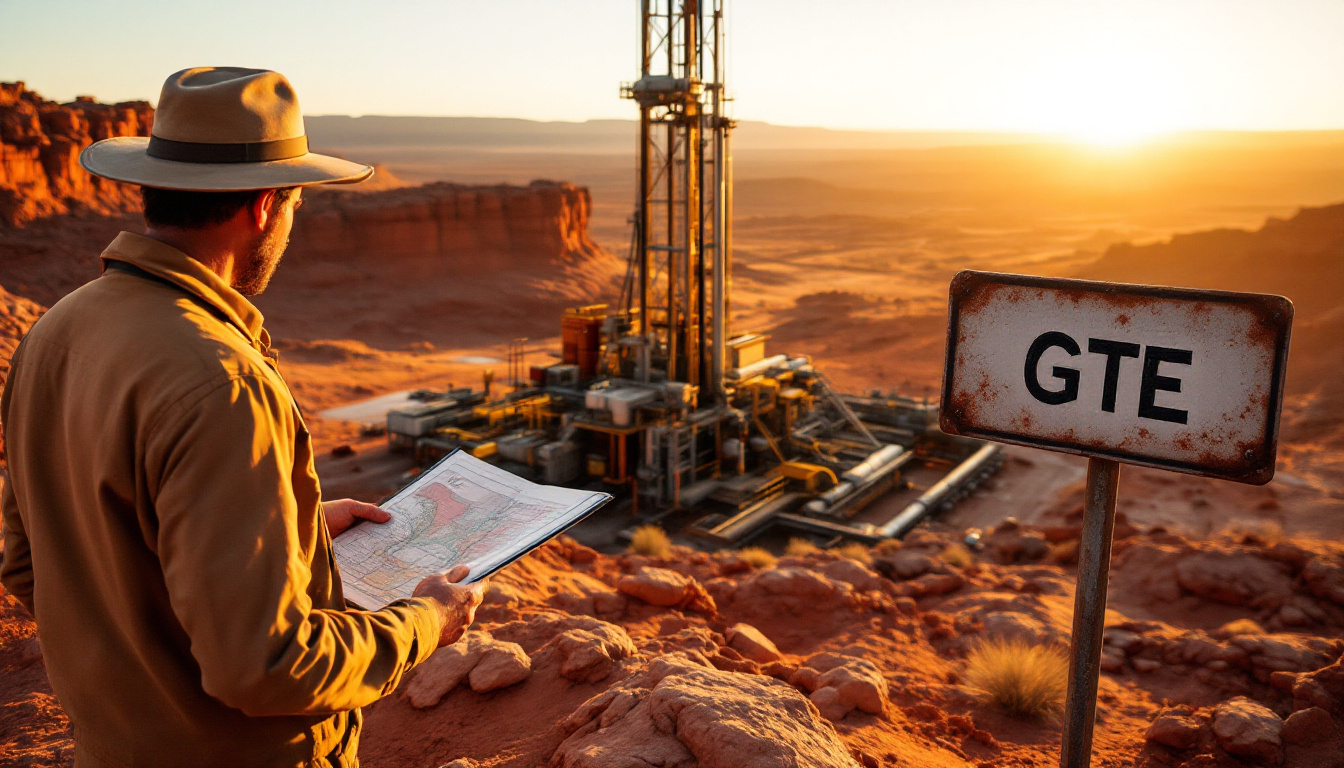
<point>683,209</point>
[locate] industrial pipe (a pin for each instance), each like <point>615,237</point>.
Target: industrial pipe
<point>925,505</point>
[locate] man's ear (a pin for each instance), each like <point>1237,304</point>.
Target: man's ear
<point>260,210</point>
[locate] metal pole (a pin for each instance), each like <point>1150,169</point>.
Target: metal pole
<point>1089,611</point>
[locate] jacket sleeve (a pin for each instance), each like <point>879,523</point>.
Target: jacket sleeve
<point>220,475</point>
<point>16,568</point>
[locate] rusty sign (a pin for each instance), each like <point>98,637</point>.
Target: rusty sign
<point>1180,379</point>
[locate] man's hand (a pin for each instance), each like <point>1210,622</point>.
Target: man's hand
<point>457,602</point>
<point>343,513</point>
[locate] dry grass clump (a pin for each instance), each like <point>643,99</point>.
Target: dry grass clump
<point>888,546</point>
<point>800,547</point>
<point>1022,679</point>
<point>1063,552</point>
<point>957,556</point>
<point>1265,533</point>
<point>1241,627</point>
<point>854,551</point>
<point>756,557</point>
<point>650,540</point>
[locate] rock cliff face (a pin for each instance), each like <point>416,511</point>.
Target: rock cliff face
<point>40,142</point>
<point>446,263</point>
<point>453,222</point>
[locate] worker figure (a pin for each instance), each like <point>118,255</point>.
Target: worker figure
<point>163,520</point>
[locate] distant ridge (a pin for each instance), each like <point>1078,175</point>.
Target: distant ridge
<point>618,136</point>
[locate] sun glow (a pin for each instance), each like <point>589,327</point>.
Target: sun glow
<point>1104,95</point>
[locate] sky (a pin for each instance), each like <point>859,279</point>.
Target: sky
<point>1060,66</point>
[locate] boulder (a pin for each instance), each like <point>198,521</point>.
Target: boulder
<point>676,713</point>
<point>1312,738</point>
<point>1235,578</point>
<point>751,643</point>
<point>1323,688</point>
<point>857,685</point>
<point>661,587</point>
<point>591,654</point>
<point>501,664</point>
<point>1325,579</point>
<point>1176,729</point>
<point>854,574</point>
<point>1248,729</point>
<point>443,670</point>
<point>905,564</point>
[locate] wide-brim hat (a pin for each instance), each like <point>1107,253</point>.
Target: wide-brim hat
<point>221,129</point>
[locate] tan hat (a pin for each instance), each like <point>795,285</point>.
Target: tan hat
<point>221,129</point>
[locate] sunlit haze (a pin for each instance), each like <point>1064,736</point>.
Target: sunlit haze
<point>1104,72</point>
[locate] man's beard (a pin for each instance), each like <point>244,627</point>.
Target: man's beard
<point>253,276</point>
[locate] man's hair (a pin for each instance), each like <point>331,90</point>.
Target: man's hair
<point>193,210</point>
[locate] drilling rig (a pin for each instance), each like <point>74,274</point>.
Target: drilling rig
<point>657,399</point>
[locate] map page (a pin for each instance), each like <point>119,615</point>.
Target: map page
<point>461,511</point>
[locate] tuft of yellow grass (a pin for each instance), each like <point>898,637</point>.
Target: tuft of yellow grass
<point>650,540</point>
<point>1241,627</point>
<point>800,547</point>
<point>888,546</point>
<point>1023,680</point>
<point>957,556</point>
<point>756,557</point>
<point>1265,533</point>
<point>856,552</point>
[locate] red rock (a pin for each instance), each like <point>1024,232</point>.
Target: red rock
<point>676,713</point>
<point>659,586</point>
<point>592,653</point>
<point>858,684</point>
<point>1174,730</point>
<point>1325,579</point>
<point>1312,738</point>
<point>1235,579</point>
<point>500,665</point>
<point>1246,728</point>
<point>751,643</point>
<point>40,142</point>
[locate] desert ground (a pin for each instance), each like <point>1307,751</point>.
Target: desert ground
<point>1226,621</point>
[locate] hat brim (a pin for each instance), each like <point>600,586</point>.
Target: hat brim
<point>125,159</point>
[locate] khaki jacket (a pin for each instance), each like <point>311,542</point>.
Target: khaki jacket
<point>163,525</point>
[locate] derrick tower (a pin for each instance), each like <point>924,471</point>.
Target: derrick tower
<point>682,245</point>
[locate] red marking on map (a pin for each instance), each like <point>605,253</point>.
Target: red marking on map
<point>446,505</point>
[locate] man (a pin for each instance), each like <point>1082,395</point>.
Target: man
<point>163,521</point>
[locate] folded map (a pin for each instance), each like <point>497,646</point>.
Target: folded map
<point>461,511</point>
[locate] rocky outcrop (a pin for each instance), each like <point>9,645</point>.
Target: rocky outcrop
<point>680,713</point>
<point>40,142</point>
<point>447,222</point>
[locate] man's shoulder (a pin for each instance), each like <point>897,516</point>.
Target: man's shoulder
<point>138,328</point>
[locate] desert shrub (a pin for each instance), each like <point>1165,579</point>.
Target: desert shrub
<point>1022,679</point>
<point>1241,627</point>
<point>756,557</point>
<point>1063,552</point>
<point>856,552</point>
<point>1265,533</point>
<point>800,547</point>
<point>957,555</point>
<point>650,540</point>
<point>887,546</point>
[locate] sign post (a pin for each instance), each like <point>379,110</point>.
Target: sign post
<point>1171,378</point>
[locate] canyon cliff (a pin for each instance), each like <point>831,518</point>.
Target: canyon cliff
<point>40,142</point>
<point>446,263</point>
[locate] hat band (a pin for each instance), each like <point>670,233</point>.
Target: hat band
<point>242,152</point>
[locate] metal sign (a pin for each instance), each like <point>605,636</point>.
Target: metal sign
<point>1172,378</point>
<point>1179,379</point>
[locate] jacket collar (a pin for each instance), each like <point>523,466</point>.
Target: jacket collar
<point>167,262</point>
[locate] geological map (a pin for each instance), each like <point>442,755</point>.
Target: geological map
<point>461,511</point>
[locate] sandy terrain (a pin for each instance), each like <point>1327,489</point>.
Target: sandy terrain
<point>845,255</point>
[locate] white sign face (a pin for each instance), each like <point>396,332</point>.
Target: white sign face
<point>1173,378</point>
